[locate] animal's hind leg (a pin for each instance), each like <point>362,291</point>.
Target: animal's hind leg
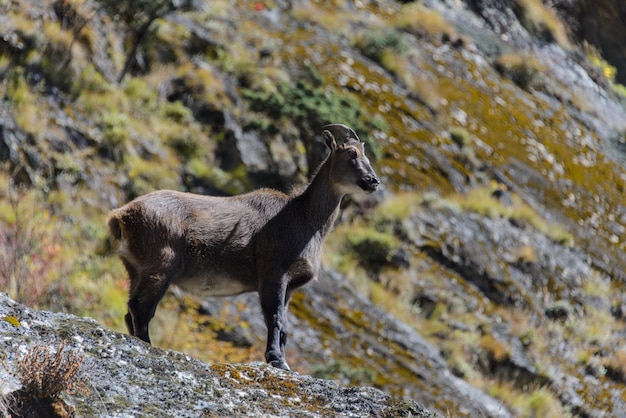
<point>143,303</point>
<point>133,278</point>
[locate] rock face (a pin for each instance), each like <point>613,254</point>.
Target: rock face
<point>328,319</point>
<point>126,377</point>
<point>602,24</point>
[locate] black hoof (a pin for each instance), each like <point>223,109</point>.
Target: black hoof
<point>280,364</point>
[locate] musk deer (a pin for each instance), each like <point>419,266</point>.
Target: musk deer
<point>262,241</point>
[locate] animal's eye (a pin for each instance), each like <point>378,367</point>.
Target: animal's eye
<point>352,153</point>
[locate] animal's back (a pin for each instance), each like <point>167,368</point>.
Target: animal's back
<point>208,240</point>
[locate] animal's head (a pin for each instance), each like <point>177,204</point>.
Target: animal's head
<point>351,170</point>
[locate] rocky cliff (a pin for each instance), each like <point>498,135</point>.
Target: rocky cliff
<point>124,377</point>
<point>486,278</point>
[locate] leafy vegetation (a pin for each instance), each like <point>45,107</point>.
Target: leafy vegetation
<point>310,105</point>
<point>375,44</point>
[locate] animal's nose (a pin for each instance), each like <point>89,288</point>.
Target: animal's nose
<point>373,182</point>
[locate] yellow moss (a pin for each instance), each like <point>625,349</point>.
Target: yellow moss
<point>13,320</point>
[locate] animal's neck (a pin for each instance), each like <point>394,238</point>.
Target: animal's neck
<point>320,200</point>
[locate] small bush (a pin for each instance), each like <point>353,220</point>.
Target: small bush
<point>522,69</point>
<point>374,44</point>
<point>32,256</point>
<point>45,374</point>
<point>310,106</point>
<point>460,136</point>
<point>344,373</point>
<point>542,21</point>
<point>371,247</point>
<point>422,21</point>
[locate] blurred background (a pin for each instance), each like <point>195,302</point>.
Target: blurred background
<point>494,253</point>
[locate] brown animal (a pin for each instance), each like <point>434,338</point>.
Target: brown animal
<point>262,241</point>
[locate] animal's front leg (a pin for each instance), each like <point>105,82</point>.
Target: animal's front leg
<point>273,304</point>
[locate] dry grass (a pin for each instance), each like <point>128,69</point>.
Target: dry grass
<point>543,21</point>
<point>616,365</point>
<point>45,373</point>
<point>534,402</point>
<point>481,200</point>
<point>422,21</point>
<point>522,69</point>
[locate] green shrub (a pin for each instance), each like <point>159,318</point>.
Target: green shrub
<point>374,44</point>
<point>372,247</point>
<point>344,373</point>
<point>115,128</point>
<point>310,106</point>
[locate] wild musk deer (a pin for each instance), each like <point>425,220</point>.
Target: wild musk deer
<point>262,241</point>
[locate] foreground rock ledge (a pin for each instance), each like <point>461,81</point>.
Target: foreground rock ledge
<point>128,378</point>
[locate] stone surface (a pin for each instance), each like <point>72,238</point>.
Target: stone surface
<point>126,377</point>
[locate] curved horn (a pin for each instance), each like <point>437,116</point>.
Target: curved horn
<point>342,132</point>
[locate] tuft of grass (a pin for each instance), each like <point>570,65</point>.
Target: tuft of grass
<point>27,109</point>
<point>331,19</point>
<point>542,21</point>
<point>616,365</point>
<point>344,374</point>
<point>460,136</point>
<point>45,373</point>
<point>423,21</point>
<point>481,200</point>
<point>420,86</point>
<point>371,247</point>
<point>374,44</point>
<point>522,69</point>
<point>496,350</point>
<point>608,71</point>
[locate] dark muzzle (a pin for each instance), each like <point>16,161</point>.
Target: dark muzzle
<point>369,183</point>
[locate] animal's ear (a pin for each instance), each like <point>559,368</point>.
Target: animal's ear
<point>330,141</point>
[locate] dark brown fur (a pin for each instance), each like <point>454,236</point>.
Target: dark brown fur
<point>262,241</point>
